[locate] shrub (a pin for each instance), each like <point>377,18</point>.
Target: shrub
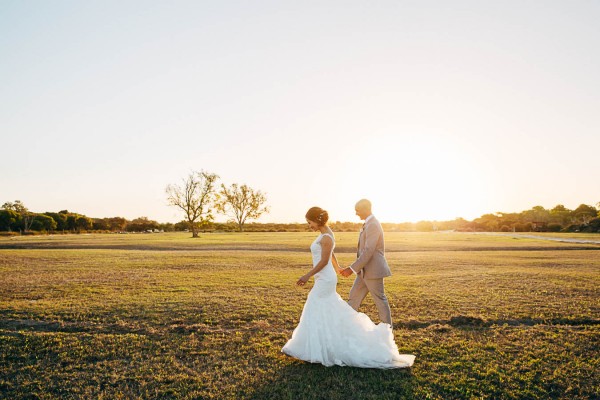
<point>554,228</point>
<point>9,233</point>
<point>571,228</point>
<point>519,227</point>
<point>591,227</point>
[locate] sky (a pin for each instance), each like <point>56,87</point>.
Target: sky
<point>433,110</point>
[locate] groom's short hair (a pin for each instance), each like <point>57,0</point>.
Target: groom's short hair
<point>364,203</point>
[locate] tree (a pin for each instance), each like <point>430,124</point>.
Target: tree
<point>17,206</point>
<point>27,216</point>
<point>77,222</point>
<point>100,224</point>
<point>585,213</point>
<point>194,197</point>
<point>560,215</point>
<point>43,222</point>
<point>117,223</point>
<point>424,226</point>
<point>142,224</point>
<point>83,223</point>
<point>60,219</point>
<point>112,224</point>
<point>536,214</point>
<point>167,227</point>
<point>241,203</point>
<point>488,222</point>
<point>181,226</point>
<point>8,220</point>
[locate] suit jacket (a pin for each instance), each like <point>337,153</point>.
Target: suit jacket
<point>371,260</point>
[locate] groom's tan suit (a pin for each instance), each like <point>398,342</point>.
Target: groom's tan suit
<point>370,268</point>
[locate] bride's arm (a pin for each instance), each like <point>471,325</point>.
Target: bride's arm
<point>326,247</point>
<point>336,264</point>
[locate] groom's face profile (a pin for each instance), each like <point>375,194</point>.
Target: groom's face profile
<point>362,212</point>
<point>363,208</point>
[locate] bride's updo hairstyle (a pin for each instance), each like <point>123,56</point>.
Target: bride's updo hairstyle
<point>318,215</point>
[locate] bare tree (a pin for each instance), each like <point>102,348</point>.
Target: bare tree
<point>241,203</point>
<point>17,206</point>
<point>194,196</point>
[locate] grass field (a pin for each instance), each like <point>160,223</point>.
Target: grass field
<point>168,316</point>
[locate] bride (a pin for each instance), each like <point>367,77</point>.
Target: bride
<point>331,332</point>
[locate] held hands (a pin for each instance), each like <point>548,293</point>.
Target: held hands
<point>346,272</point>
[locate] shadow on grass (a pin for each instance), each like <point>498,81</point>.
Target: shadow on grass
<point>314,381</point>
<point>469,322</point>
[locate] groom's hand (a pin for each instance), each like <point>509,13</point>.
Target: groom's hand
<point>346,272</point>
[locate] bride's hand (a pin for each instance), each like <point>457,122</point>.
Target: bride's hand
<point>302,280</point>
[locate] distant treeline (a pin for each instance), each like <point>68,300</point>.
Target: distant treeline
<point>17,219</point>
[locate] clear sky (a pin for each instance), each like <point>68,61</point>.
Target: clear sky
<point>431,109</point>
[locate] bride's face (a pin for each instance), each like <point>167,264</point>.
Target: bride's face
<point>312,225</point>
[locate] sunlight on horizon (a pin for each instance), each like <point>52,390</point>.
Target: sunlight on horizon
<point>415,177</point>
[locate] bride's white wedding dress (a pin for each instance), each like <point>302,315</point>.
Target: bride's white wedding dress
<point>331,332</point>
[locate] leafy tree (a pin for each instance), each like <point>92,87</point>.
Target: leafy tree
<point>167,227</point>
<point>60,219</point>
<point>560,215</point>
<point>117,224</point>
<point>83,223</point>
<point>585,213</point>
<point>77,222</point>
<point>43,222</point>
<point>195,197</point>
<point>519,227</point>
<point>554,227</point>
<point>488,222</point>
<point>26,216</point>
<point>181,225</point>
<point>593,225</point>
<point>114,224</point>
<point>536,218</point>
<point>71,222</point>
<point>241,203</point>
<point>17,206</point>
<point>424,226</point>
<point>100,224</point>
<point>9,220</point>
<point>142,224</point>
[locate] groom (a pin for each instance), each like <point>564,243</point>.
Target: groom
<point>370,266</point>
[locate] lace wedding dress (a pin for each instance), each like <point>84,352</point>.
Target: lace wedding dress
<point>331,332</point>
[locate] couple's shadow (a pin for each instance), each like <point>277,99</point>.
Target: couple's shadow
<point>301,380</point>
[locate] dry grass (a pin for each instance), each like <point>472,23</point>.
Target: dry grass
<point>97,317</point>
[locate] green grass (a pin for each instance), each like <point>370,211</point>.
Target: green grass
<point>167,316</point>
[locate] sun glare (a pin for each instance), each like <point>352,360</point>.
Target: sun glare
<point>420,178</point>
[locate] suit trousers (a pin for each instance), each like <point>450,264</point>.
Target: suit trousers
<point>374,286</point>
